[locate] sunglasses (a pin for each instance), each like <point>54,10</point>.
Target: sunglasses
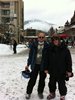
<point>41,37</point>
<point>56,38</point>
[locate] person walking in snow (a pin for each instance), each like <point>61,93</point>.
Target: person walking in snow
<point>58,63</point>
<point>36,60</point>
<point>14,46</point>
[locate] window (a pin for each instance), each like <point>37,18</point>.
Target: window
<point>5,4</point>
<point>5,12</point>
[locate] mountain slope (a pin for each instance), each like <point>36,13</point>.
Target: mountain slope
<point>38,24</point>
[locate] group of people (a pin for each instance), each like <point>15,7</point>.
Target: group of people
<point>51,58</point>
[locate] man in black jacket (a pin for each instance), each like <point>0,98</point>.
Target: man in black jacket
<point>58,63</point>
<point>36,61</point>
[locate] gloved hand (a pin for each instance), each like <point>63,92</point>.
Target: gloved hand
<point>68,75</point>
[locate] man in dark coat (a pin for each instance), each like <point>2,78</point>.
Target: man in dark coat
<point>36,60</point>
<point>58,63</point>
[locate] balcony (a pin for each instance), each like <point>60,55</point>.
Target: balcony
<point>6,16</point>
<point>4,5</point>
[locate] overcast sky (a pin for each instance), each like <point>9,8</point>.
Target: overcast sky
<point>53,11</point>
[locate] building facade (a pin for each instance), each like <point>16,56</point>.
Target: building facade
<point>11,17</point>
<point>69,27</point>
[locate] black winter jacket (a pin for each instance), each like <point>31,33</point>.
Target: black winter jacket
<point>58,60</point>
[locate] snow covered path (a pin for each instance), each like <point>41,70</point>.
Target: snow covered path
<point>13,85</point>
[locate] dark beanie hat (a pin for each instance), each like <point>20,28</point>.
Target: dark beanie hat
<point>55,37</point>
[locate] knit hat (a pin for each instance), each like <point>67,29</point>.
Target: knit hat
<point>55,37</point>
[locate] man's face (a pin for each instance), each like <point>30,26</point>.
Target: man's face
<point>41,37</point>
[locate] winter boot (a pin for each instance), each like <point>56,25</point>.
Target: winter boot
<point>28,96</point>
<point>40,95</point>
<point>51,96</point>
<point>62,97</point>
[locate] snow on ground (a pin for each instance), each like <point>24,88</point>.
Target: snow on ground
<point>13,85</point>
<point>8,49</point>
